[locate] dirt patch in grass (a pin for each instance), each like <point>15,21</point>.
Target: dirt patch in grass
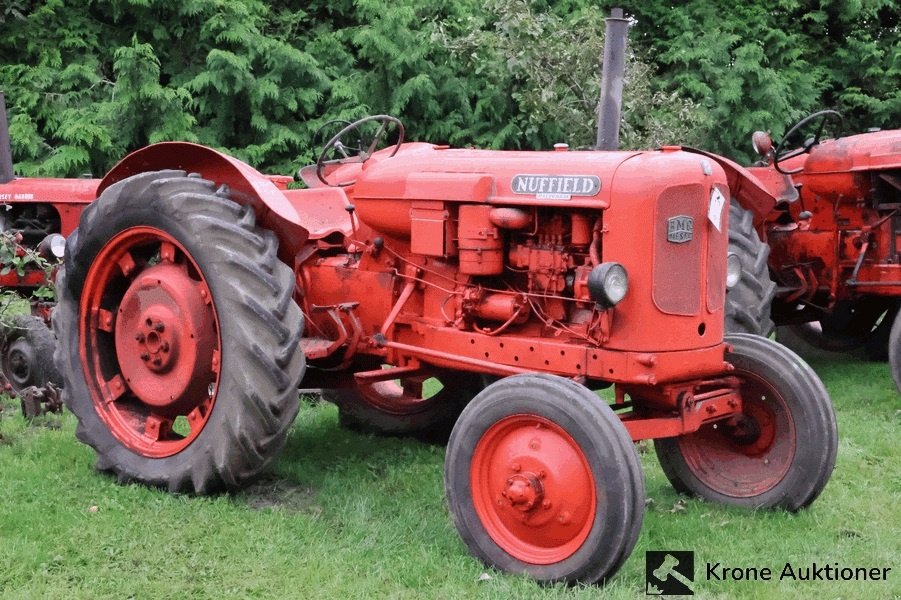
<point>272,493</point>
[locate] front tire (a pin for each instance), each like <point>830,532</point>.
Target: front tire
<point>178,335</point>
<point>894,352</point>
<point>543,479</point>
<point>780,454</point>
<point>28,347</point>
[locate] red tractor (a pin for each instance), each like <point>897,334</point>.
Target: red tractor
<point>821,254</point>
<point>414,282</point>
<point>35,214</point>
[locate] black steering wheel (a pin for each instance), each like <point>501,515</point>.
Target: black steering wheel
<point>780,154</point>
<point>358,148</point>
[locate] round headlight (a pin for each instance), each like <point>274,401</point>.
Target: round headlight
<point>733,270</point>
<point>52,247</point>
<point>608,284</point>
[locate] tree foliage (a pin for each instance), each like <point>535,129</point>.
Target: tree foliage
<point>89,80</point>
<point>764,64</point>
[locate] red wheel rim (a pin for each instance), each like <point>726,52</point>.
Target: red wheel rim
<point>150,342</point>
<point>533,489</point>
<point>748,456</point>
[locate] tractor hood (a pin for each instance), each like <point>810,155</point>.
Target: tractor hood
<point>842,168</point>
<point>425,171</point>
<point>865,152</point>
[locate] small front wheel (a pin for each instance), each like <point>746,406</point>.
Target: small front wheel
<point>27,354</point>
<point>543,479</point>
<point>778,454</point>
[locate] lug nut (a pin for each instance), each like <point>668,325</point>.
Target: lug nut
<point>159,326</point>
<point>157,361</point>
<point>165,347</point>
<point>140,337</point>
<point>145,356</point>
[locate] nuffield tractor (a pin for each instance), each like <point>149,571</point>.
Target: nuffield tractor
<point>425,288</point>
<point>820,247</point>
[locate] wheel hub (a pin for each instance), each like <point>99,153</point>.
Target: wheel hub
<point>533,489</point>
<point>523,491</point>
<point>19,361</point>
<point>166,337</point>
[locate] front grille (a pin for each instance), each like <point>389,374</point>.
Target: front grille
<point>680,247</point>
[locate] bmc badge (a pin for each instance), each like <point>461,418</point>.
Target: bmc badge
<point>679,229</point>
<point>556,187</point>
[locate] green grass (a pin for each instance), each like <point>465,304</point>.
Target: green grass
<point>350,516</point>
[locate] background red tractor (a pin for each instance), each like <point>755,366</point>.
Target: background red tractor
<point>196,296</point>
<point>824,251</point>
<point>35,215</point>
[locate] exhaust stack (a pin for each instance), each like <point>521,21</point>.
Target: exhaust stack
<point>612,75</point>
<point>6,151</point>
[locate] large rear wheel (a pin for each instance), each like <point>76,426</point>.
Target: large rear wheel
<point>749,302</point>
<point>543,479</point>
<point>778,454</point>
<point>178,335</point>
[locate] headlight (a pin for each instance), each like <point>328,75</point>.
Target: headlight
<point>52,247</point>
<point>733,270</point>
<point>608,284</point>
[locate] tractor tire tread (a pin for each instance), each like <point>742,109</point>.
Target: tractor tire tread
<point>262,362</point>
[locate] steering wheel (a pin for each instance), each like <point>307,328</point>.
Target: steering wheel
<point>356,151</point>
<point>780,154</point>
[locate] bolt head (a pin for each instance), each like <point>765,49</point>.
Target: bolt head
<point>145,356</point>
<point>159,326</point>
<point>157,361</point>
<point>140,337</point>
<point>516,467</point>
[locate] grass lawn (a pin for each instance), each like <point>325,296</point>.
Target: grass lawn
<point>350,516</point>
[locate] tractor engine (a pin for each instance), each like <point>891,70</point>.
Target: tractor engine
<point>585,249</point>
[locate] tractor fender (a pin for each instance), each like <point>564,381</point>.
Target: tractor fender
<point>248,185</point>
<point>750,192</point>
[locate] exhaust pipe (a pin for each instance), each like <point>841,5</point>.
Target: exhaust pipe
<point>612,75</point>
<point>6,151</point>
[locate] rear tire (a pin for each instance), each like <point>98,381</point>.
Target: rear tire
<point>862,325</point>
<point>405,409</point>
<point>28,347</point>
<point>749,302</point>
<point>780,456</point>
<point>211,411</point>
<point>542,478</point>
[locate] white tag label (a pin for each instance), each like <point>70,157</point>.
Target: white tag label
<point>715,212</point>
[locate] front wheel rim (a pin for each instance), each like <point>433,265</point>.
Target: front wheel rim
<point>747,456</point>
<point>150,342</point>
<point>533,489</point>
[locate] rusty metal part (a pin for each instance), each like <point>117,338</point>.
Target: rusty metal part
<point>38,401</point>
